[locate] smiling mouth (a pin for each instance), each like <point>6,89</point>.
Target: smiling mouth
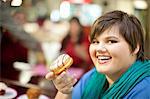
<point>103,59</point>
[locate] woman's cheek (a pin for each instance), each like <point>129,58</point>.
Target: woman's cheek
<point>92,51</point>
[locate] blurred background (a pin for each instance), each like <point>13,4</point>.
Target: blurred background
<point>35,32</point>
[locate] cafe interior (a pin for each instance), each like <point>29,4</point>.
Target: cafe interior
<point>32,32</point>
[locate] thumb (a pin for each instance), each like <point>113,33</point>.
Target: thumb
<point>50,75</point>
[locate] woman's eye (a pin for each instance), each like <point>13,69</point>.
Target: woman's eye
<point>112,41</point>
<point>94,42</point>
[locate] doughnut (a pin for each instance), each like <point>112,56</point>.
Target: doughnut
<point>62,63</point>
<point>33,93</point>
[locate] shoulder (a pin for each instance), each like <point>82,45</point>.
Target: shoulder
<point>79,87</point>
<point>86,77</point>
<point>141,90</point>
<point>88,74</point>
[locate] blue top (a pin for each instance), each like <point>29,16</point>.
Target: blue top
<point>140,91</point>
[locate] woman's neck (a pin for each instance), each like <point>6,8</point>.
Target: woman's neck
<point>74,38</point>
<point>110,81</point>
<point>113,77</point>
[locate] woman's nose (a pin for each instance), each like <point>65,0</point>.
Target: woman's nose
<point>101,48</point>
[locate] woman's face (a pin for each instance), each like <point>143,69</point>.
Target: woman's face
<point>110,53</point>
<point>74,28</point>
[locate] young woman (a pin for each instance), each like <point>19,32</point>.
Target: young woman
<point>121,70</point>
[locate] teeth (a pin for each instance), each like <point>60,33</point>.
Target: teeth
<point>104,58</point>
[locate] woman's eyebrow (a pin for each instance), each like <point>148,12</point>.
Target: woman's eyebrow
<point>112,37</point>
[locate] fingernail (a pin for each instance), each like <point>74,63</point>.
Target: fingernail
<point>46,76</point>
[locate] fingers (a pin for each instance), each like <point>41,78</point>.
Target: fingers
<point>64,79</point>
<point>66,90</point>
<point>50,76</point>
<point>59,78</point>
<point>63,82</point>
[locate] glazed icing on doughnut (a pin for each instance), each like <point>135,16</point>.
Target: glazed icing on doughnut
<point>62,63</point>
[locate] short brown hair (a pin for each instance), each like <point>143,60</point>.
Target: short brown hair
<point>129,27</point>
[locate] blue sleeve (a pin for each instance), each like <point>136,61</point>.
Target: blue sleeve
<point>141,90</point>
<point>78,88</point>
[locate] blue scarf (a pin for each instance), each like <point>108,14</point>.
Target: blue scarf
<point>97,86</point>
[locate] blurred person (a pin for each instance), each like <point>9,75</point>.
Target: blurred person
<point>20,17</point>
<point>11,51</point>
<point>15,42</point>
<point>16,29</point>
<point>121,69</point>
<point>76,45</point>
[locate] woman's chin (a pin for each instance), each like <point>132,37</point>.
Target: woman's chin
<point>102,70</point>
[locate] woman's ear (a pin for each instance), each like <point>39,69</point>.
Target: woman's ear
<point>136,49</point>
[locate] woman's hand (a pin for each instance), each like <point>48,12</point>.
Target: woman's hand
<point>63,82</point>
